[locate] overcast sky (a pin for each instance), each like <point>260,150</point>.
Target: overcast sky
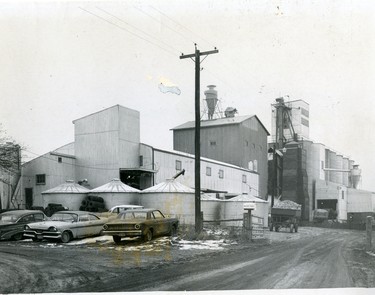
<point>61,60</point>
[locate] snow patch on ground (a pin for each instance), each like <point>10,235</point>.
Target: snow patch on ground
<point>202,245</point>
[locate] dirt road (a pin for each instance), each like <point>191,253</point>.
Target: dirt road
<point>312,258</point>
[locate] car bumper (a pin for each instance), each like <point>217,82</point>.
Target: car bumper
<point>125,233</point>
<point>41,235</point>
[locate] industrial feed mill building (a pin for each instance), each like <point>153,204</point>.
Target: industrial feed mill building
<point>107,146</point>
<point>310,173</point>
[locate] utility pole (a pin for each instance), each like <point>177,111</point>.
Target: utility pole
<point>196,56</point>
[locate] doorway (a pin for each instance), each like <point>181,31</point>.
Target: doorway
<point>29,197</point>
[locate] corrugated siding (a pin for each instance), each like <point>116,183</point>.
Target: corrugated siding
<point>232,181</point>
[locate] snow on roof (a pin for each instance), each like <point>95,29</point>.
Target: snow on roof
<point>247,198</point>
<point>215,122</point>
<point>169,186</point>
<point>206,197</point>
<point>69,187</point>
<point>115,186</point>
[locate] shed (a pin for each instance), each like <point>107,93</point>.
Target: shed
<point>68,194</point>
<point>233,209</point>
<point>116,193</point>
<point>171,198</point>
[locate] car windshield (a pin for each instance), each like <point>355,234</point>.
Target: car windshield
<point>8,217</point>
<point>66,217</point>
<point>132,215</point>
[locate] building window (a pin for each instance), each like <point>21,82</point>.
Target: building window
<point>305,112</point>
<point>221,173</point>
<point>140,161</point>
<point>244,179</point>
<point>212,143</point>
<point>342,195</point>
<point>40,179</point>
<point>208,171</point>
<point>178,165</point>
<point>59,160</point>
<point>305,122</point>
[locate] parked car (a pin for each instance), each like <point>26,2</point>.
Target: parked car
<point>65,226</point>
<point>12,222</point>
<point>122,208</point>
<point>143,223</point>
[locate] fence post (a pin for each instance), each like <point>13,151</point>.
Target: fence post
<point>369,233</point>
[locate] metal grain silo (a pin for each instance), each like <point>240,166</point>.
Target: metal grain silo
<point>171,198</point>
<point>116,193</point>
<point>233,209</point>
<point>211,207</point>
<point>68,194</point>
<point>345,175</point>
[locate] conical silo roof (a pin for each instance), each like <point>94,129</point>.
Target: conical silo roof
<point>169,186</point>
<point>247,198</point>
<point>115,186</point>
<point>69,187</point>
<point>206,197</point>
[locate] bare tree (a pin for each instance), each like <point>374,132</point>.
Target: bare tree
<point>10,152</point>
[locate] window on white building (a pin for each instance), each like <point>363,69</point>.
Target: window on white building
<point>40,179</point>
<point>221,173</point>
<point>178,165</point>
<point>208,171</point>
<point>244,178</point>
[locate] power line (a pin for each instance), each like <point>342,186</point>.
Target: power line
<point>177,23</point>
<point>124,29</point>
<point>184,37</point>
<point>135,28</point>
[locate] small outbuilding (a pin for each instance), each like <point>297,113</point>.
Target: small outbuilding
<point>234,209</point>
<point>68,194</point>
<point>171,198</point>
<point>116,193</point>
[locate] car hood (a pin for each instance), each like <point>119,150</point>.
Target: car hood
<point>5,223</point>
<point>47,224</point>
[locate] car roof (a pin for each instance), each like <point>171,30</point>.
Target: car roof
<point>141,210</point>
<point>127,206</point>
<point>75,212</point>
<point>20,212</point>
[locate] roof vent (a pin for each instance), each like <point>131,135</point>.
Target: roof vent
<point>230,112</point>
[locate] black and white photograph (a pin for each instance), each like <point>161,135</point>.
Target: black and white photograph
<point>202,146</point>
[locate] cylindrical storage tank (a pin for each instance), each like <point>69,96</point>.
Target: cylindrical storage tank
<point>171,198</point>
<point>116,193</point>
<point>339,161</point>
<point>68,194</point>
<point>233,209</point>
<point>211,207</point>
<point>211,100</point>
<point>332,165</point>
<point>345,175</point>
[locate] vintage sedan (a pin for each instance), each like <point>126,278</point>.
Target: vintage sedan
<point>65,226</point>
<point>13,222</point>
<point>143,223</point>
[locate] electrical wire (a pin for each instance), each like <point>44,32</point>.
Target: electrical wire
<point>126,30</point>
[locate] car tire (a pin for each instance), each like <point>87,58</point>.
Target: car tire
<point>35,239</point>
<point>148,236</point>
<point>173,231</point>
<point>117,239</point>
<point>18,236</point>
<point>66,237</point>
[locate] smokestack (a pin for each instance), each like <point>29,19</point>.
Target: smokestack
<point>211,100</point>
